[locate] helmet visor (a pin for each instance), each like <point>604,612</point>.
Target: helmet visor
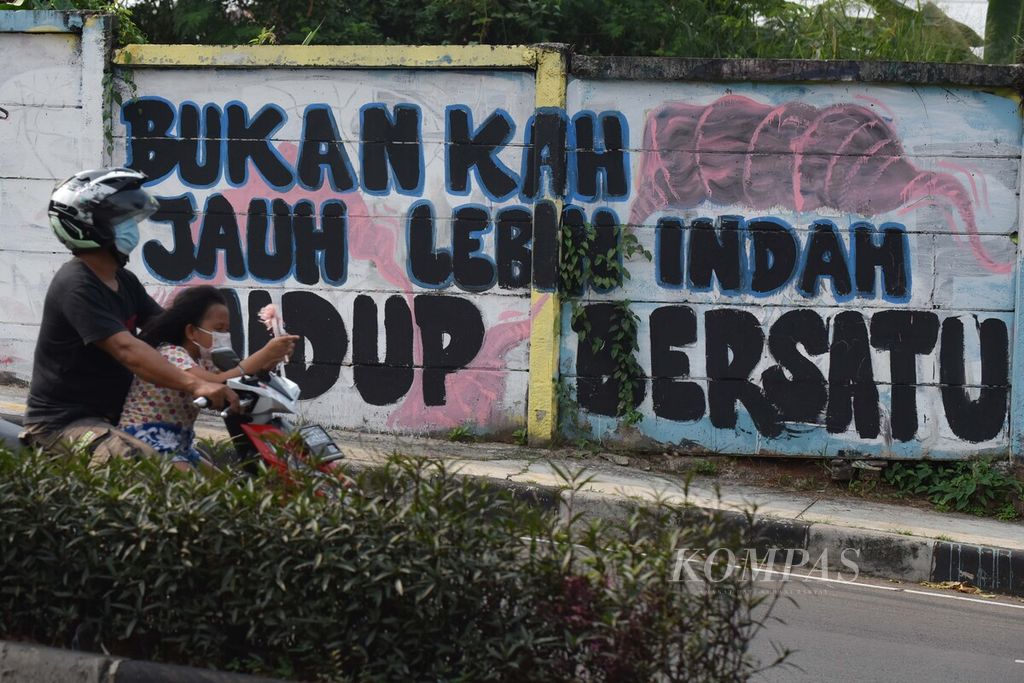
<point>137,205</point>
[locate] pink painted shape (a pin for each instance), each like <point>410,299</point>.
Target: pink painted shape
<point>971,173</point>
<point>473,396</point>
<point>844,157</point>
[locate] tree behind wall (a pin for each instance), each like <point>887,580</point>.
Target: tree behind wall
<point>834,29</point>
<point>1003,27</point>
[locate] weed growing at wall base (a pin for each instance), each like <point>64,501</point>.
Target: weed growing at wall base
<point>460,434</point>
<point>415,574</point>
<point>974,486</point>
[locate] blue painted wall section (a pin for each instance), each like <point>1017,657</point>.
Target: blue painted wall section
<point>833,271</point>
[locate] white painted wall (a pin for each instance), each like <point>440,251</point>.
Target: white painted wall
<point>51,87</point>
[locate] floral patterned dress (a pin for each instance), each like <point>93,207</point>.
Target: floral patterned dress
<point>163,418</point>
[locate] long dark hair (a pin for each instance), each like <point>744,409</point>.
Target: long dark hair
<point>189,307</point>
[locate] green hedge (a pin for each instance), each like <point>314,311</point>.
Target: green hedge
<point>416,574</point>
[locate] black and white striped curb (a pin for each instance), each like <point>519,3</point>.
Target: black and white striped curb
<point>882,555</point>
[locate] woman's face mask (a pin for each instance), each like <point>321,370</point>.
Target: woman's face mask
<point>126,236</point>
<point>220,340</point>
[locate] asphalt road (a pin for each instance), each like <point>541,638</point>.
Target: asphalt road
<point>879,631</point>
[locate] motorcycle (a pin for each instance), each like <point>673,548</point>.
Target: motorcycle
<point>264,430</point>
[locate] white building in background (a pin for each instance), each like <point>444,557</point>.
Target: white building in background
<point>969,12</point>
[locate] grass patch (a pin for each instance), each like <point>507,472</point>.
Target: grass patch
<point>707,468</point>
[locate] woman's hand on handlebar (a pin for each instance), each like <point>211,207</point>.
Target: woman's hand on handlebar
<point>277,350</point>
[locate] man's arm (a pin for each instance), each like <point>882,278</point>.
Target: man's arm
<point>146,362</point>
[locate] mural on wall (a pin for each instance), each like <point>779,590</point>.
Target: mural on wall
<point>832,265</point>
<point>818,288</point>
<point>391,233</point>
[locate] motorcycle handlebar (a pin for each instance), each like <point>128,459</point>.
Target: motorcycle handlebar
<point>202,402</point>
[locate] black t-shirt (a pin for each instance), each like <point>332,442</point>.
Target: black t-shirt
<point>73,378</point>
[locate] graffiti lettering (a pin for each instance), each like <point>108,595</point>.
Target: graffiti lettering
<point>545,155</point>
<point>309,244</point>
<point>974,420</point>
<point>845,157</point>
<point>675,398</point>
<point>605,241</point>
<point>802,398</point>
<point>596,388</point>
<point>763,255</point>
<point>772,205</point>
<point>451,332</point>
<point>477,151</point>
<point>202,143</point>
<point>595,157</point>
<point>794,389</point>
<point>321,151</point>
<point>391,149</point>
<point>382,384</point>
<point>905,335</point>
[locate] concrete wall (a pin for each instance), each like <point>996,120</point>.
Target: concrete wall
<point>832,264</point>
<point>323,220</point>
<point>51,125</point>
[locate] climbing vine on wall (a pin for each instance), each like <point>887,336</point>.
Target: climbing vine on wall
<point>113,98</point>
<point>583,265</point>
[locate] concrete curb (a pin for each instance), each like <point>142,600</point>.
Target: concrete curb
<point>25,663</point>
<point>879,554</point>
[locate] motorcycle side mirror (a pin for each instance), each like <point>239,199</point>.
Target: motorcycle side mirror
<point>225,358</point>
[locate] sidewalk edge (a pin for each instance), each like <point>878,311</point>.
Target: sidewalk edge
<point>881,555</point>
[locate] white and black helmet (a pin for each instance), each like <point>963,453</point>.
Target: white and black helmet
<point>85,208</point>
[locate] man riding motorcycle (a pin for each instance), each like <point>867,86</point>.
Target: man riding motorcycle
<point>87,350</point>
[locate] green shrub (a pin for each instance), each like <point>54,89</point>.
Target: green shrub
<point>973,486</point>
<point>415,574</point>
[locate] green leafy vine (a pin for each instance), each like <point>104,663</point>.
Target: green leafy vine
<point>112,97</point>
<point>583,266</point>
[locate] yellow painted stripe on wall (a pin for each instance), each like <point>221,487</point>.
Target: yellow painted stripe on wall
<point>545,325</point>
<point>352,56</point>
<point>552,68</point>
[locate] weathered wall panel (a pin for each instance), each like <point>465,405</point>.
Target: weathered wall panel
<point>807,346</point>
<point>52,76</point>
<point>462,348</point>
<point>50,127</point>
